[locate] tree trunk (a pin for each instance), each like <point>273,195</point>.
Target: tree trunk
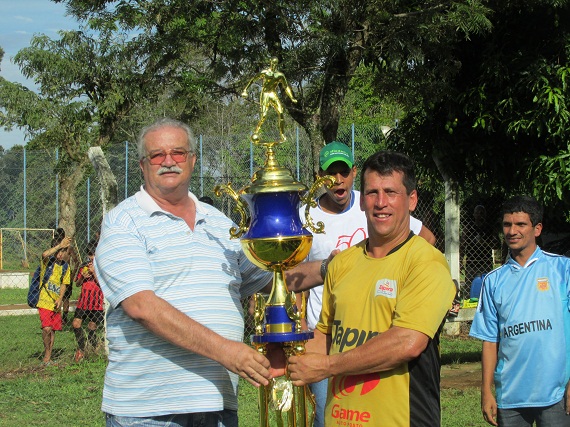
<point>109,197</point>
<point>321,124</point>
<point>67,200</point>
<point>317,142</point>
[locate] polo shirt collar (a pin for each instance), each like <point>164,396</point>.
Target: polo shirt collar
<point>147,204</point>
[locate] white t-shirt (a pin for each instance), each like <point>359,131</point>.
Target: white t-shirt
<point>342,231</point>
<point>415,225</point>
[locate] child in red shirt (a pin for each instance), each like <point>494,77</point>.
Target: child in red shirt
<point>90,305</point>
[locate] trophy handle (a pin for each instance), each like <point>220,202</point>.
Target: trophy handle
<point>259,313</point>
<point>310,202</point>
<point>292,311</point>
<point>239,208</point>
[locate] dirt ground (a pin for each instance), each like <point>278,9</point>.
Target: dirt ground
<point>461,376</point>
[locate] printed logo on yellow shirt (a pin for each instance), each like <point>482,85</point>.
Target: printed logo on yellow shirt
<point>542,284</point>
<point>386,288</point>
<point>351,384</point>
<point>361,384</point>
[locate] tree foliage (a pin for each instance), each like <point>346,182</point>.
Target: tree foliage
<point>88,83</point>
<point>502,120</point>
<point>320,45</point>
<point>481,87</point>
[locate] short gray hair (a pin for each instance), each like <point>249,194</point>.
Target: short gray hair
<point>165,122</point>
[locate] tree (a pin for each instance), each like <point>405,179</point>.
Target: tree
<point>88,84</point>
<point>319,44</point>
<point>502,120</point>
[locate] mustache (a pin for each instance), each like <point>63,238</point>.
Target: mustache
<point>166,169</point>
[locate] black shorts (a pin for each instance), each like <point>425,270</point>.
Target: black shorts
<point>95,316</point>
<point>68,291</point>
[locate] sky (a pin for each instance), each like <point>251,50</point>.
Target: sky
<point>19,21</point>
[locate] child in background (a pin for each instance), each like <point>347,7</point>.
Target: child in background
<point>55,278</point>
<point>90,305</point>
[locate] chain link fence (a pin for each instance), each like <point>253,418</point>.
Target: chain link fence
<point>30,196</point>
<point>481,244</point>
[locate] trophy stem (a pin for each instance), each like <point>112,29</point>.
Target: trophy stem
<point>281,296</point>
<point>303,416</point>
<point>270,161</point>
<point>280,402</point>
<point>263,406</point>
<point>279,292</point>
<point>304,408</point>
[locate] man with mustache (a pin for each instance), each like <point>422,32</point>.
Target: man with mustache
<point>174,280</point>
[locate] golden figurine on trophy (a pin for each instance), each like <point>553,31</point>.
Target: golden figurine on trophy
<point>272,79</point>
<point>275,239</point>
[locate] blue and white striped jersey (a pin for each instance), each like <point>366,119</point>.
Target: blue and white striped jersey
<point>202,273</point>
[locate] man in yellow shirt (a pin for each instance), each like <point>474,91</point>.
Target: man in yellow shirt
<point>384,302</point>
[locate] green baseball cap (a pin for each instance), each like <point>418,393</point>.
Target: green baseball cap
<point>335,152</point>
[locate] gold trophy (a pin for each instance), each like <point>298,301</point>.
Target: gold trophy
<point>275,239</point>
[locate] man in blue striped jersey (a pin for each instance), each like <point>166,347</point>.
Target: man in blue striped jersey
<point>174,280</point>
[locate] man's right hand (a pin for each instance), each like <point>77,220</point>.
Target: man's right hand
<point>249,364</point>
<point>308,368</point>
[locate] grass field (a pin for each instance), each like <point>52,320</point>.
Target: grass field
<point>70,394</point>
<point>13,296</point>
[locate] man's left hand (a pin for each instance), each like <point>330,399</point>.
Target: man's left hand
<point>308,368</point>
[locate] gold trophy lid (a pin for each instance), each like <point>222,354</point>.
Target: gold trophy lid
<point>273,180</point>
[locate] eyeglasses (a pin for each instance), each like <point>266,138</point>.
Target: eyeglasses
<point>156,158</point>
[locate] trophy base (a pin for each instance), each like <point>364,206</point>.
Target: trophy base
<point>281,403</point>
<point>282,337</point>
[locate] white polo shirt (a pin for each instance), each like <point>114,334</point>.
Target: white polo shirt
<point>202,273</point>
